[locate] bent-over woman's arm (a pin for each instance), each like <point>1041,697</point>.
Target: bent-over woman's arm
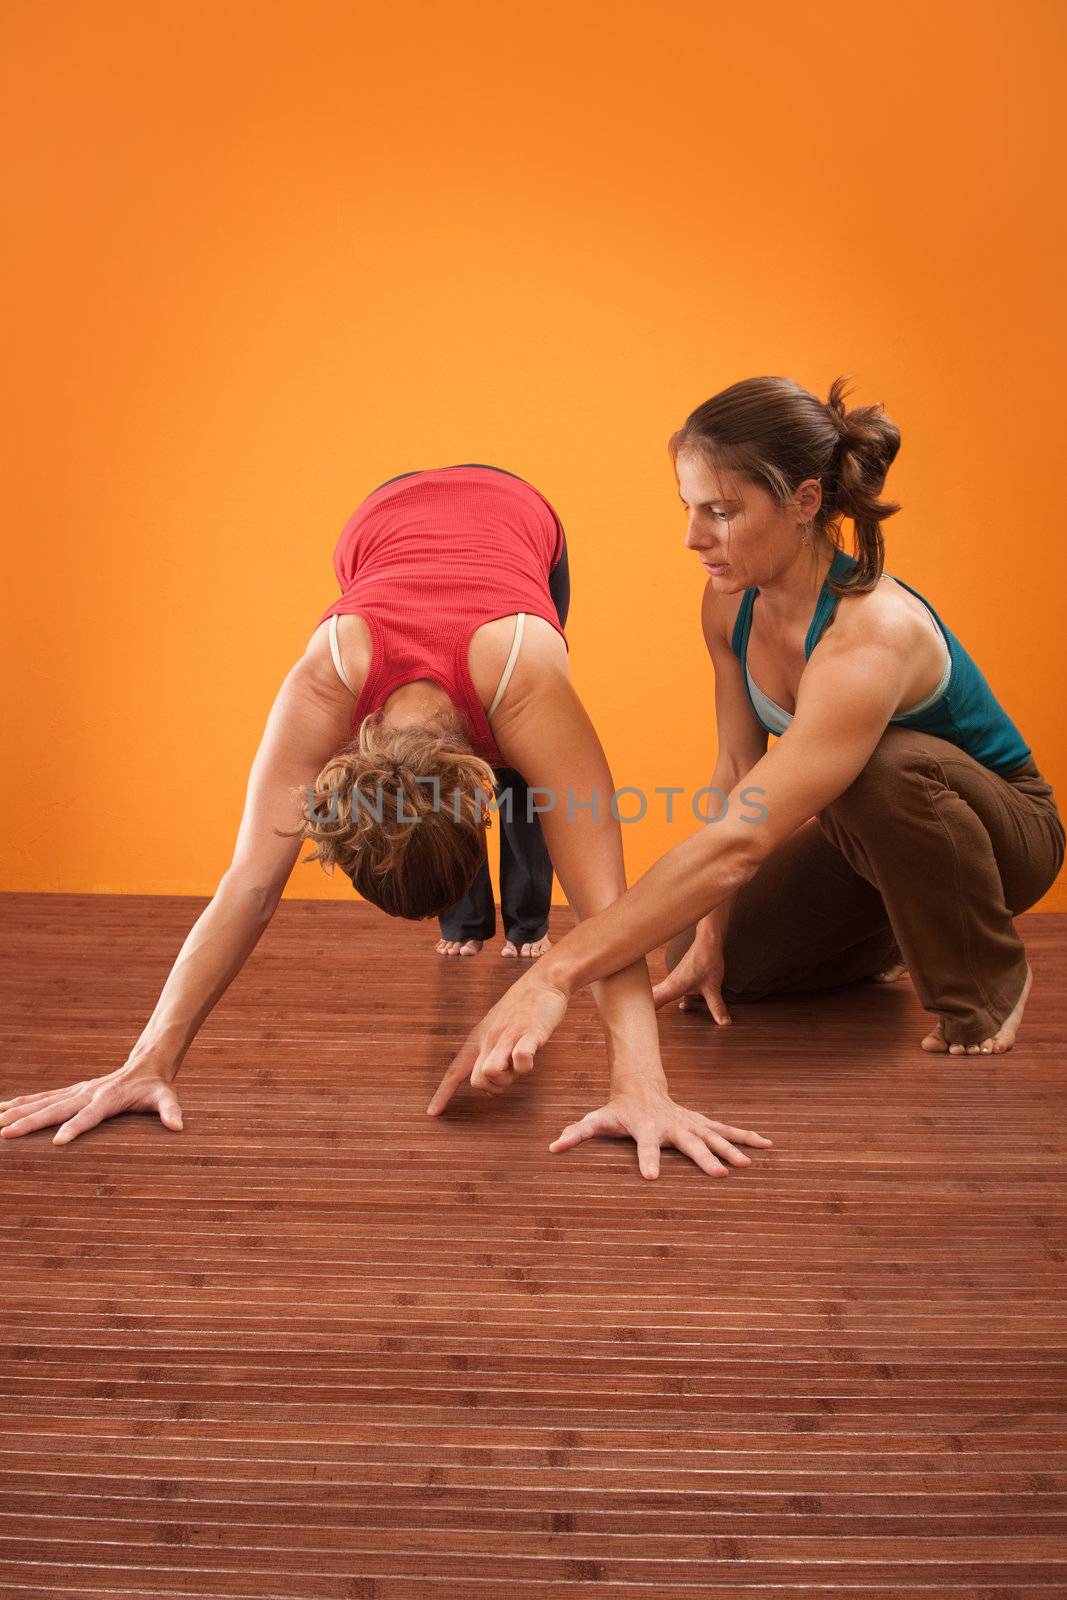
<point>307,724</point>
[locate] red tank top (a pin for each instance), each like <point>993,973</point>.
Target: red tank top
<point>429,558</point>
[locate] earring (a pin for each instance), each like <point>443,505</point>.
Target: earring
<point>805,537</point>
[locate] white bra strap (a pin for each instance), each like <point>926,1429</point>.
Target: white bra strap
<point>505,676</point>
<point>336,653</point>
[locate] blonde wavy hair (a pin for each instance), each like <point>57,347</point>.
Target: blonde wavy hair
<point>403,811</point>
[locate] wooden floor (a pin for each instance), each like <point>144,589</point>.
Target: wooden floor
<point>320,1345</point>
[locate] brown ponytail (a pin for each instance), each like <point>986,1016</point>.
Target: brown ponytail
<point>777,434</point>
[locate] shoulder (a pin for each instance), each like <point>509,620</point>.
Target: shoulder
<point>861,665</point>
<point>540,669</point>
<point>886,615</point>
<point>355,646</point>
<point>542,650</point>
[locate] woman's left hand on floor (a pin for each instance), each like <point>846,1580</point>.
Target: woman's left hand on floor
<point>652,1119</point>
<point>502,1046</point>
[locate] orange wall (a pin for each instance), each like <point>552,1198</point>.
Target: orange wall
<point>268,255</point>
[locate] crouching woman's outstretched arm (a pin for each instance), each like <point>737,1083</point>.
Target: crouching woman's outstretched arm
<point>547,735</point>
<point>847,695</point>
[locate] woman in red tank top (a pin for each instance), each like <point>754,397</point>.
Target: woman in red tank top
<point>424,563</point>
<point>412,680</point>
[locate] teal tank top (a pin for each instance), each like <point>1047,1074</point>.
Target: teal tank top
<point>961,708</point>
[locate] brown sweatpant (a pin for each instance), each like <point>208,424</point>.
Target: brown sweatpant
<point>924,858</point>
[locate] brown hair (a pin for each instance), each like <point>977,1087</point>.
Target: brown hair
<point>776,434</point>
<point>363,809</point>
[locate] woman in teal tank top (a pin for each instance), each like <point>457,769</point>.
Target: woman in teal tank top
<point>961,707</point>
<point>901,819</point>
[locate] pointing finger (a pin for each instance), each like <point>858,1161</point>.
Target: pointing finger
<point>458,1071</point>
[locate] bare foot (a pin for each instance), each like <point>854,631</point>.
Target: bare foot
<point>453,947</point>
<point>996,1044</point>
<point>891,974</point>
<point>536,948</point>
